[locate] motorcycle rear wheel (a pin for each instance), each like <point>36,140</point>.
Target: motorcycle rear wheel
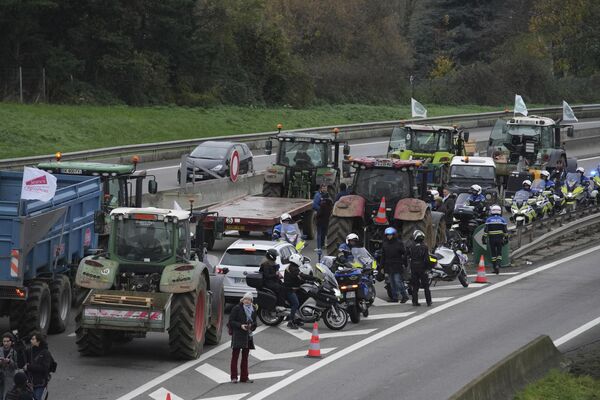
<point>333,322</point>
<point>355,312</point>
<point>462,278</point>
<point>269,317</point>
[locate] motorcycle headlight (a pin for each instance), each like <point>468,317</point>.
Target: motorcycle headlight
<point>217,168</point>
<point>569,194</point>
<point>454,267</point>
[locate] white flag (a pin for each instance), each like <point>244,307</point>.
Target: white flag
<point>520,106</point>
<point>418,111</point>
<point>176,205</point>
<point>37,185</point>
<point>568,114</point>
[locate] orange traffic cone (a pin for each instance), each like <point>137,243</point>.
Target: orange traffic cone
<point>168,396</point>
<point>314,348</point>
<point>481,278</point>
<point>380,218</point>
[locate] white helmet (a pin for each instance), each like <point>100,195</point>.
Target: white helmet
<point>545,174</point>
<point>285,217</point>
<point>434,193</point>
<point>527,182</point>
<point>581,169</point>
<point>296,259</point>
<point>476,189</point>
<point>352,236</point>
<point>418,236</point>
<point>495,210</point>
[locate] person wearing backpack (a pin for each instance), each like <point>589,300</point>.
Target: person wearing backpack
<point>39,366</point>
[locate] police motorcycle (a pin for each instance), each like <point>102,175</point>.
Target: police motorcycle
<point>520,208</point>
<point>318,299</point>
<point>466,218</point>
<point>542,204</point>
<point>450,262</point>
<point>574,193</point>
<point>356,280</point>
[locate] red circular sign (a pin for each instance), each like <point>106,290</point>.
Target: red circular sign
<point>234,166</point>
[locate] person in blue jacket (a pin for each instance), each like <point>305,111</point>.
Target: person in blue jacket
<point>583,180</point>
<point>495,235</point>
<point>317,199</point>
<point>477,199</point>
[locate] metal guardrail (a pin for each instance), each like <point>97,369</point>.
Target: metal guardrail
<point>183,146</point>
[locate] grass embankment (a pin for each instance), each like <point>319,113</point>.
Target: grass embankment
<point>562,386</point>
<point>28,130</point>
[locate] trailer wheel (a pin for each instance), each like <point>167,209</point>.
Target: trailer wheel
<point>271,190</point>
<point>37,310</point>
<point>339,228</point>
<point>60,292</point>
<point>215,328</point>
<point>309,224</point>
<point>91,342</point>
<point>189,318</point>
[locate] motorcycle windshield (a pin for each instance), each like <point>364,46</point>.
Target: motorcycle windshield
<point>324,274</point>
<point>362,256</point>
<point>572,181</point>
<point>290,233</point>
<point>462,201</point>
<point>521,196</point>
<point>538,186</point>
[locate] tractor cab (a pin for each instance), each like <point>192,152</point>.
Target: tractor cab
<point>304,162</point>
<point>435,144</point>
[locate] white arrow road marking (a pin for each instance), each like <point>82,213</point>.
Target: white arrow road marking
<point>305,335</point>
<point>392,315</point>
<point>161,394</point>
<point>229,397</point>
<point>265,355</point>
<point>220,376</point>
<point>382,303</point>
<point>471,286</point>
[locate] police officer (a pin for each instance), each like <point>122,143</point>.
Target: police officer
<point>583,180</point>
<point>548,183</point>
<point>477,199</point>
<point>393,259</point>
<point>495,235</point>
<point>270,273</point>
<point>418,254</point>
<point>284,219</point>
<point>345,249</point>
<point>526,185</point>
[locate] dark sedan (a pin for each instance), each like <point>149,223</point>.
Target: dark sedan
<point>211,160</point>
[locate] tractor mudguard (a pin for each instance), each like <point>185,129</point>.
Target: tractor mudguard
<point>410,210</point>
<point>96,273</point>
<point>326,176</point>
<point>275,174</point>
<point>349,206</point>
<point>181,277</point>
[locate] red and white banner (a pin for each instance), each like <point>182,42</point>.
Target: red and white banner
<point>37,185</point>
<point>123,314</point>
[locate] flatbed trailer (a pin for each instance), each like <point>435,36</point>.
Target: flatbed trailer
<point>256,214</point>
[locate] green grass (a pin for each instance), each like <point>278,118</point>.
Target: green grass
<point>562,386</point>
<point>27,130</point>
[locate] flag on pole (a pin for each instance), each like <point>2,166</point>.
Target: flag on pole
<point>520,106</point>
<point>37,185</point>
<point>418,111</point>
<point>176,205</point>
<point>568,114</point>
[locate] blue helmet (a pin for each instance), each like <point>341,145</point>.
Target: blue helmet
<point>390,231</point>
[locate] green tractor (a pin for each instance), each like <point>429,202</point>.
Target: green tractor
<point>434,145</point>
<point>304,162</point>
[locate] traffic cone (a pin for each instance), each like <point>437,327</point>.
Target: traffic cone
<point>314,348</point>
<point>168,396</point>
<point>481,278</point>
<point>380,218</point>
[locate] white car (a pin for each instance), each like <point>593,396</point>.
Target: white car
<point>244,257</point>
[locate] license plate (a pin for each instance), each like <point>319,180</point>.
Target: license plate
<point>235,228</point>
<point>71,171</point>
<point>350,295</point>
<point>239,280</point>
<point>197,176</point>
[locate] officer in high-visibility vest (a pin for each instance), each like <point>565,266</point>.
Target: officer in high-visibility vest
<point>495,235</point>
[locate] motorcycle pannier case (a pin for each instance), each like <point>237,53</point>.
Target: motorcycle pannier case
<point>255,280</point>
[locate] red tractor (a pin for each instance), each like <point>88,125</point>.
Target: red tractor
<point>385,193</point>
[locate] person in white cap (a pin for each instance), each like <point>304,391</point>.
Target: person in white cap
<point>242,321</point>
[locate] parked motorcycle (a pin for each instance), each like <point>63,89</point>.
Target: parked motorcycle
<point>357,282</point>
<point>520,208</point>
<point>450,263</point>
<point>319,298</point>
<point>575,195</point>
<point>542,204</point>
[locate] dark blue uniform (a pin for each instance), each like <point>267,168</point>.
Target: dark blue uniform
<point>495,234</point>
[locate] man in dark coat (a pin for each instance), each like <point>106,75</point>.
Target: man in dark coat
<point>447,207</point>
<point>323,215</point>
<point>38,365</point>
<point>419,265</point>
<point>393,260</point>
<point>242,321</point>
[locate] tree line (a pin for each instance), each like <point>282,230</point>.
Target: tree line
<point>299,52</point>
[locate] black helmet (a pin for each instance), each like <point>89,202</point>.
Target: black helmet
<point>272,254</point>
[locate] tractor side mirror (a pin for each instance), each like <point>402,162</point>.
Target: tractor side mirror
<point>268,147</point>
<point>99,221</point>
<point>570,131</point>
<point>466,136</point>
<point>152,186</point>
<point>346,149</point>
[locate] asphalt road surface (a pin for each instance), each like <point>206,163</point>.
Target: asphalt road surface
<point>400,351</point>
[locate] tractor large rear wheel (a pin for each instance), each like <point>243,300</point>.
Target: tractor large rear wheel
<point>215,328</point>
<point>425,225</point>
<point>60,291</point>
<point>189,320</point>
<point>271,189</point>
<point>37,310</point>
<point>339,228</point>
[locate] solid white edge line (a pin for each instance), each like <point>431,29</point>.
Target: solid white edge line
<point>576,332</point>
<point>335,356</point>
<point>169,374</point>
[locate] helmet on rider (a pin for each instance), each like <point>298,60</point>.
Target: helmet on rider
<point>475,189</point>
<point>272,254</point>
<point>286,218</point>
<point>296,259</point>
<point>581,170</point>
<point>545,174</point>
<point>390,231</point>
<point>527,183</point>
<point>353,240</point>
<point>418,236</point>
<point>495,210</point>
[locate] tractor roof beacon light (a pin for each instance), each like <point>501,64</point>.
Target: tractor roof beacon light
<point>336,131</point>
<point>58,155</point>
<point>279,127</point>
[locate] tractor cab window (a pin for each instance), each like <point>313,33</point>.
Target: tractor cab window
<point>429,141</point>
<point>398,139</point>
<point>547,137</point>
<point>143,241</point>
<point>113,191</point>
<point>373,184</point>
<point>303,154</point>
<point>183,240</point>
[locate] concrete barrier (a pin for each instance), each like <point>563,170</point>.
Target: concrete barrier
<point>506,377</point>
